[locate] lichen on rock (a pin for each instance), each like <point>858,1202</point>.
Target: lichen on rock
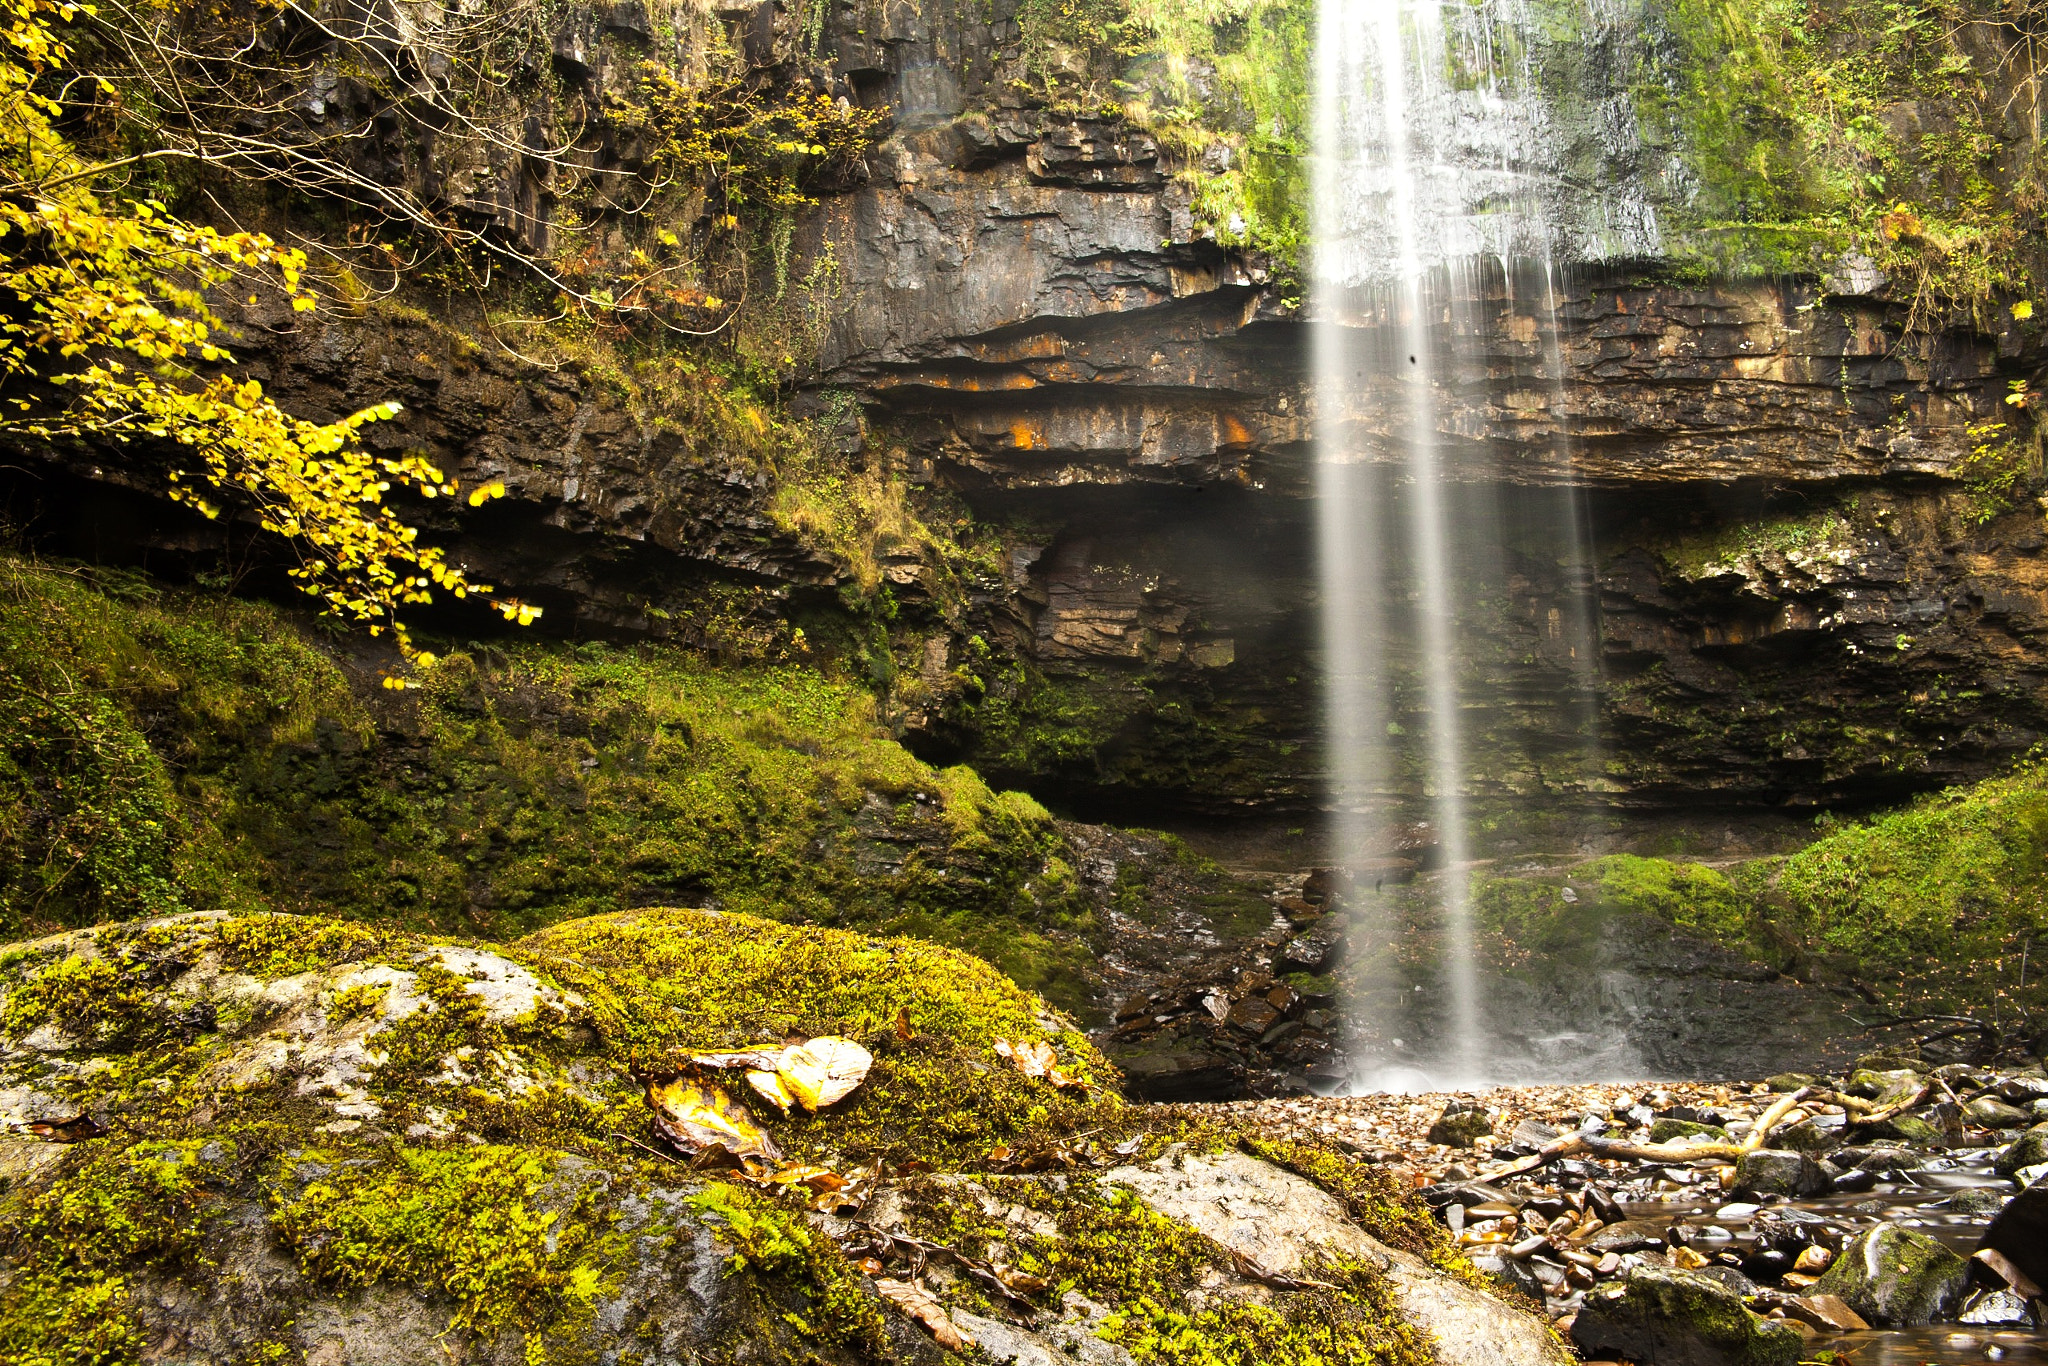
<point>312,1140</point>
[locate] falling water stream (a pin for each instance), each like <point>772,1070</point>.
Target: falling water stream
<point>1433,166</point>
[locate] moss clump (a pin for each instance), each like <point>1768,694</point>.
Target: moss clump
<point>511,789</point>
<point>119,1208</point>
<point>1534,916</point>
<point>1946,892</point>
<point>663,984</point>
<point>470,1223</point>
<point>774,1240</point>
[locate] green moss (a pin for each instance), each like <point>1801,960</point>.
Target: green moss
<point>773,1240</point>
<point>1948,890</point>
<point>85,997</point>
<point>1533,915</point>
<point>470,1223</point>
<point>662,984</point>
<point>513,788</point>
<point>51,1319</point>
<point>1232,76</point>
<point>118,1208</point>
<point>1747,548</point>
<point>1117,1250</point>
<point>1811,130</point>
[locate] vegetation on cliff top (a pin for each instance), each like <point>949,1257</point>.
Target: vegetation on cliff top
<point>1910,132</point>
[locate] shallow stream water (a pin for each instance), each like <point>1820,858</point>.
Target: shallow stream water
<point>1924,1200</point>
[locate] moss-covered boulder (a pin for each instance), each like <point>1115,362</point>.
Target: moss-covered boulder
<point>1674,1130</point>
<point>1779,1171</point>
<point>1680,1318</point>
<point>2030,1149</point>
<point>1896,1278</point>
<point>278,1139</point>
<point>1461,1125</point>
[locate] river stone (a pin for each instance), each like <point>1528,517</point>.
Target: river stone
<point>1989,1112</point>
<point>1793,1081</point>
<point>1660,1317</point>
<point>1507,1272</point>
<point>1911,1129</point>
<point>1665,1130</point>
<point>2030,1149</point>
<point>1897,1278</point>
<point>2020,1232</point>
<point>1808,1137</point>
<point>1774,1171</point>
<point>1460,1126</point>
<point>1281,1221</point>
<point>1873,1085</point>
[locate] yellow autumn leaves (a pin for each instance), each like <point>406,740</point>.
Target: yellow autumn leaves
<point>110,311</point>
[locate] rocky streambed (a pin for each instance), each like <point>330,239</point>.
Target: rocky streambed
<point>1895,1214</point>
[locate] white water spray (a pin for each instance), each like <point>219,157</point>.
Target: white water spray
<point>1430,162</point>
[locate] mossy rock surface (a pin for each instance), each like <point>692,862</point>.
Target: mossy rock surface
<point>1680,1318</point>
<point>1896,1278</point>
<point>312,1139</point>
<point>1667,1130</point>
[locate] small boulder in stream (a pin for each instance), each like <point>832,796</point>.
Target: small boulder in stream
<point>1778,1171</point>
<point>1897,1278</point>
<point>2019,1233</point>
<point>2030,1149</point>
<point>1661,1317</point>
<point>1461,1125</point>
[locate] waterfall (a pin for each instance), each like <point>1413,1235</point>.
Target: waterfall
<point>1435,170</point>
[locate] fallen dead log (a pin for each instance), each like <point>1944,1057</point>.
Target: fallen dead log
<point>1573,1144</point>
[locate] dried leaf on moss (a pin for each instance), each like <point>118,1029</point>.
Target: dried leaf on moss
<point>702,1121</point>
<point>770,1088</point>
<point>813,1075</point>
<point>914,1300</point>
<point>1035,1059</point>
<point>824,1071</point>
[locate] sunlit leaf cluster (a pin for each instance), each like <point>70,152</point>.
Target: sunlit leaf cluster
<point>113,338</point>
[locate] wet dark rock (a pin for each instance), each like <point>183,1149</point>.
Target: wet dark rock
<point>1911,1129</point>
<point>1884,1158</point>
<point>1793,1081</point>
<point>1679,1318</point>
<point>1184,1076</point>
<point>1989,1112</point>
<point>1808,1137</point>
<point>1770,1171</point>
<point>1897,1278</point>
<point>1253,1015</point>
<point>1509,1273</point>
<point>2019,1233</point>
<point>1630,1235</point>
<point>1729,1276</point>
<point>1316,951</point>
<point>1665,1130</point>
<point>1975,1200</point>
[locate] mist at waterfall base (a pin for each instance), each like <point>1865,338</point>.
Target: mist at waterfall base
<point>1437,220</point>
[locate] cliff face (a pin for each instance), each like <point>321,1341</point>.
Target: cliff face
<point>1732,542</point>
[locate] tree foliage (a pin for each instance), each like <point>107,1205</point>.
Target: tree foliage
<point>112,321</point>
